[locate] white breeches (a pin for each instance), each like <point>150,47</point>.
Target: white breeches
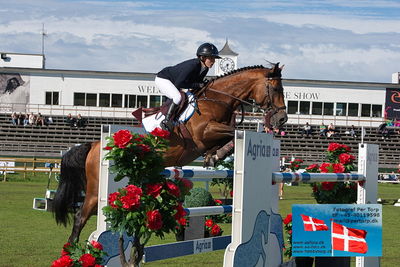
<point>168,88</point>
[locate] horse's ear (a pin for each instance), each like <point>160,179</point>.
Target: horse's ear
<point>276,67</point>
<point>282,66</point>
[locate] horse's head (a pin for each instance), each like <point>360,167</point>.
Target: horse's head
<point>269,95</point>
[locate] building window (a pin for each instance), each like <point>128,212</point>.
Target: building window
<point>142,101</point>
<point>292,107</point>
<point>91,100</point>
<point>52,98</point>
<point>365,110</point>
<point>79,99</point>
<point>104,100</point>
<point>83,99</point>
<point>341,109</point>
<point>116,100</point>
<point>316,108</point>
<point>328,108</point>
<point>353,109</point>
<point>130,101</point>
<point>377,111</point>
<point>155,101</point>
<point>304,107</point>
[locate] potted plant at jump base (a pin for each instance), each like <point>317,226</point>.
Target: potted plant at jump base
<point>339,160</point>
<point>149,204</point>
<point>80,255</point>
<point>191,228</point>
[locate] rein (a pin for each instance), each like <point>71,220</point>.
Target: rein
<point>234,97</point>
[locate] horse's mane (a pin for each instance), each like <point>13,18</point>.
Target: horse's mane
<point>236,71</point>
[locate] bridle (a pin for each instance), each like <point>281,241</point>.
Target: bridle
<point>268,89</point>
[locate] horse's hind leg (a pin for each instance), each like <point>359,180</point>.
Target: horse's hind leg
<point>81,217</point>
<point>89,206</point>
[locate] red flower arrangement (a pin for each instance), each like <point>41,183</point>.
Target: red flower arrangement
<point>339,161</point>
<point>149,204</point>
<point>294,165</point>
<point>288,240</point>
<point>80,255</point>
<point>211,228</point>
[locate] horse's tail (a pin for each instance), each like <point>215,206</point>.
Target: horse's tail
<point>72,182</point>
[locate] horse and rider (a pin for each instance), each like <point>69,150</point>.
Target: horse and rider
<point>209,130</point>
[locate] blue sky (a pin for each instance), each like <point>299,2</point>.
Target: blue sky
<point>323,40</point>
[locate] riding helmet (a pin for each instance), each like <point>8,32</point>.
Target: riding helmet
<point>208,50</point>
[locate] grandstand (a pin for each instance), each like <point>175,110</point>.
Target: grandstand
<point>49,141</point>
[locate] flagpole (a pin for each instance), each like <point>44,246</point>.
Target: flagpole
<point>332,237</point>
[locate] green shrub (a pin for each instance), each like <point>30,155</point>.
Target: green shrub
<point>199,197</point>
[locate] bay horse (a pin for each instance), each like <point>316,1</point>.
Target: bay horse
<point>210,129</point>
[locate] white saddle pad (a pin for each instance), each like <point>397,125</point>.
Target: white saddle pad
<point>153,121</point>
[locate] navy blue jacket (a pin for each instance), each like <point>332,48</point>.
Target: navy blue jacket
<point>187,74</point>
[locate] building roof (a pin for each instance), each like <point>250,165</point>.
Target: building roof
<point>151,76</point>
<point>227,51</point>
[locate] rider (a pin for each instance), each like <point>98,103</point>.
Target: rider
<point>188,74</point>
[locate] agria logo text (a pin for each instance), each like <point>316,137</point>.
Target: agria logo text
<point>260,150</point>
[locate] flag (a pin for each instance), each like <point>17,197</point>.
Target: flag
<point>348,239</point>
<point>312,224</point>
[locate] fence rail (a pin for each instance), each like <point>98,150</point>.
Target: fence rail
<point>29,165</point>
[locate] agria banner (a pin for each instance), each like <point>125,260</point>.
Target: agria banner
<point>392,104</point>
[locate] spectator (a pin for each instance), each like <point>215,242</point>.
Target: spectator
<point>32,119</point>
<point>49,120</point>
<point>332,131</point>
<point>383,130</point>
<point>80,122</point>
<point>21,118</point>
<point>26,119</point>
<point>281,185</point>
<point>322,130</point>
<point>353,131</point>
<point>14,118</point>
<point>39,120</point>
<point>306,130</point>
<point>70,120</point>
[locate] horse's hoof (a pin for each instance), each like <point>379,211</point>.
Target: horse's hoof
<point>210,161</point>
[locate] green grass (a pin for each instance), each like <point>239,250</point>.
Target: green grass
<point>31,238</point>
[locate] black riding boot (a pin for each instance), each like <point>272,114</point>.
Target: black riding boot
<point>167,124</point>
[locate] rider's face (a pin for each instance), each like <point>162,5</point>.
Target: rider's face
<point>209,61</point>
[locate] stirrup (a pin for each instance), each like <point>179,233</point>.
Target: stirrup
<point>167,125</point>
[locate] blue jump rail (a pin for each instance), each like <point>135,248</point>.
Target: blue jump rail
<point>287,177</point>
<point>208,210</point>
<point>184,173</point>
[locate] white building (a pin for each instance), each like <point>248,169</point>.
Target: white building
<point>98,93</point>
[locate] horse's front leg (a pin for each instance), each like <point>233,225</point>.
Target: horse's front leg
<point>220,135</point>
